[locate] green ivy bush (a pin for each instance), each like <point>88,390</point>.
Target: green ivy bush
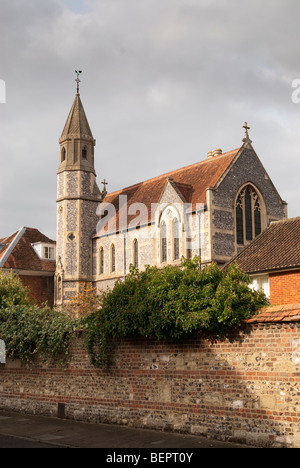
<point>171,303</point>
<point>29,331</point>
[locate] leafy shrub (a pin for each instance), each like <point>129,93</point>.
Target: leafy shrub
<point>88,300</point>
<point>29,331</point>
<point>171,303</point>
<point>12,290</point>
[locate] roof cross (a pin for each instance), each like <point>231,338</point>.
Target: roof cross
<point>104,183</point>
<point>246,138</point>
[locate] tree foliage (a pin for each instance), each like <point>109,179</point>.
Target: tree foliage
<point>12,290</point>
<point>171,303</point>
<point>87,301</point>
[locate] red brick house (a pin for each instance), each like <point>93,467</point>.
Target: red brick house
<point>31,255</point>
<point>273,261</point>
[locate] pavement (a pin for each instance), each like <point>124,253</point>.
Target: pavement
<point>20,430</point>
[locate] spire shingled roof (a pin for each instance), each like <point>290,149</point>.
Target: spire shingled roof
<point>77,124</point>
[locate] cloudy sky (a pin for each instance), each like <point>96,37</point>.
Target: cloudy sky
<point>163,83</point>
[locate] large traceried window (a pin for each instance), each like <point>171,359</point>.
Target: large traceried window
<point>248,215</point>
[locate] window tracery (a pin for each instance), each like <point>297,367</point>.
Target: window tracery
<point>248,215</point>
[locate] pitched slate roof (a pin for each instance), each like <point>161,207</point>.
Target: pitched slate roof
<point>278,247</point>
<point>16,251</point>
<point>190,182</point>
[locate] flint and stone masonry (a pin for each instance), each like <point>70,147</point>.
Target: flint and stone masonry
<point>243,389</point>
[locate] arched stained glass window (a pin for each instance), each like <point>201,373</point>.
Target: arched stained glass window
<point>247,215</point>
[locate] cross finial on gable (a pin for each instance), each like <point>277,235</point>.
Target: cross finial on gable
<point>104,191</point>
<point>104,183</point>
<point>246,138</point>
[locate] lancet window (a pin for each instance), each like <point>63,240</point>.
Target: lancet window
<point>176,238</point>
<point>163,241</point>
<point>113,258</point>
<point>135,253</point>
<point>101,260</point>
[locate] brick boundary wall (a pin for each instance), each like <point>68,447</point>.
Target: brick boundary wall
<point>243,389</point>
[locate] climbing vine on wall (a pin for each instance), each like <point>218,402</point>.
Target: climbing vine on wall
<point>172,303</point>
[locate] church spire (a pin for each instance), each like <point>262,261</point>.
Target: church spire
<point>77,199</point>
<point>77,125</point>
<point>77,141</point>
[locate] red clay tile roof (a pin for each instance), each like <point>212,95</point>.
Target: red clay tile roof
<point>279,313</point>
<point>23,256</point>
<point>191,182</point>
<point>278,247</point>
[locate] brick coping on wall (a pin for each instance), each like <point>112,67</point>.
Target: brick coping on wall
<point>277,313</point>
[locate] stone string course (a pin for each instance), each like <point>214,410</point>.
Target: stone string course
<point>245,388</point>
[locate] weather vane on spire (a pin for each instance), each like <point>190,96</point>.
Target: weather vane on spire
<point>77,79</point>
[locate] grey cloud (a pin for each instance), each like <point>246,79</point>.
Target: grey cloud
<point>163,82</point>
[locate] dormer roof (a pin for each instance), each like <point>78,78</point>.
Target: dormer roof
<point>17,251</point>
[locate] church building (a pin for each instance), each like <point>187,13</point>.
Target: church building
<point>213,209</point>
